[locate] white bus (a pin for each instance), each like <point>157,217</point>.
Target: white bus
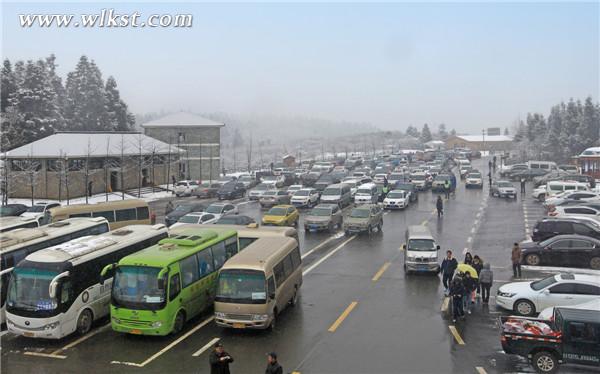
<point>13,223</point>
<point>15,245</point>
<point>57,291</point>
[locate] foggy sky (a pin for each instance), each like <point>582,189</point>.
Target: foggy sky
<point>468,65</point>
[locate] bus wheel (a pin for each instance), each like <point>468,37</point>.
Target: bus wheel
<point>84,322</point>
<point>179,321</point>
<point>294,299</point>
<point>272,325</point>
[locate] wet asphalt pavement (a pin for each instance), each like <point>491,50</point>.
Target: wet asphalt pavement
<point>393,322</point>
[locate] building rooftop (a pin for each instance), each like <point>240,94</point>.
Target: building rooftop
<point>182,119</point>
<point>97,144</point>
<point>487,138</point>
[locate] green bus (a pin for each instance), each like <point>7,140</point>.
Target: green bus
<point>156,290</point>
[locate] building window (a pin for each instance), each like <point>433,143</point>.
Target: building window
<point>26,165</point>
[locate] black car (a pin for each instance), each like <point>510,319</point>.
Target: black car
<point>527,174</point>
<point>12,210</point>
<point>325,181</point>
<point>231,190</point>
<point>235,220</point>
<point>181,210</point>
<point>549,227</point>
<point>563,250</point>
<point>406,186</point>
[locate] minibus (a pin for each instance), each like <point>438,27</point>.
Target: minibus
<point>366,194</point>
<point>117,213</point>
<point>339,194</point>
<point>12,223</point>
<point>420,250</point>
<point>258,283</point>
<point>57,291</point>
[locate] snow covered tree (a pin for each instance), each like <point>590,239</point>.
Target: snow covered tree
<point>86,107</point>
<point>8,84</point>
<point>56,81</point>
<point>452,132</point>
<point>412,131</point>
<point>425,134</point>
<point>119,118</point>
<point>442,133</point>
<point>506,131</point>
<point>589,129</point>
<point>554,131</point>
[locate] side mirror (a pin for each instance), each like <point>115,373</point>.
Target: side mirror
<point>104,272</point>
<point>272,296</point>
<point>161,283</point>
<point>438,247</point>
<point>54,284</point>
<point>404,246</point>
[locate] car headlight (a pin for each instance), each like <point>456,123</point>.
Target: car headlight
<point>260,317</point>
<point>506,294</point>
<point>116,320</point>
<point>411,258</point>
<point>52,325</point>
<point>219,314</point>
<point>156,324</point>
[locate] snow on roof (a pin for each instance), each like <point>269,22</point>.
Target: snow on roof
<point>78,144</point>
<point>487,138</point>
<point>182,119</point>
<point>593,151</point>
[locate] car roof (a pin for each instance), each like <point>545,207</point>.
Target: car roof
<point>574,236</point>
<point>328,206</point>
<point>578,277</point>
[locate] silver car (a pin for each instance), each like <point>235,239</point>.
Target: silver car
<point>324,217</point>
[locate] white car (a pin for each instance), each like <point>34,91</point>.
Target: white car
<point>561,211</point>
<point>293,188</point>
<point>353,183</point>
<point>573,195</point>
<point>528,298</point>
<point>548,313</point>
<point>474,179</point>
<point>380,177</point>
<point>185,188</point>
<point>539,193</point>
<point>201,218</point>
<point>305,197</point>
<point>274,180</point>
<point>398,199</point>
<point>39,209</point>
<point>259,190</point>
<point>221,209</point>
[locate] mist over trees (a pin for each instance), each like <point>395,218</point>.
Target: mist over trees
<point>35,103</point>
<point>569,129</point>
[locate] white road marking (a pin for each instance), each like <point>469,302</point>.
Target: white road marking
<point>3,333</point>
<point>81,340</point>
<point>313,266</point>
<point>207,346</point>
<point>473,230</point>
<point>49,355</point>
<point>318,246</point>
<point>168,347</point>
<point>469,239</point>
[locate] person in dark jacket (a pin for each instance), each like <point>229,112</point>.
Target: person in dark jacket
<point>468,258</point>
<point>439,204</point>
<point>448,267</point>
<point>515,257</point>
<point>486,278</point>
<point>469,284</point>
<point>457,291</point>
<point>273,366</point>
<point>169,208</point>
<point>477,265</point>
<point>219,360</point>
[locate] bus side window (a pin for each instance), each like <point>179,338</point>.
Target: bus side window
<point>296,259</point>
<point>189,270</point>
<point>126,214</point>
<point>231,246</point>
<point>65,293</point>
<point>219,254</point>
<point>174,287</point>
<point>205,262</point>
<point>287,266</point>
<point>279,274</point>
<point>271,285</point>
<point>142,213</point>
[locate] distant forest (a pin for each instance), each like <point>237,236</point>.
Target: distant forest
<point>35,103</point>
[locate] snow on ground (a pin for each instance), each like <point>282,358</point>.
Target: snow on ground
<point>99,198</point>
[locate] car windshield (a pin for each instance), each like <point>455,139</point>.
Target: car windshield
<point>29,289</point>
<point>261,187</point>
<point>505,184</point>
<point>189,219</point>
<point>233,220</point>
<point>474,175</point>
<point>321,212</point>
<point>270,193</point>
<point>215,209</point>
<point>277,212</point>
<point>246,178</point>
<point>302,193</point>
<point>442,178</point>
<point>417,177</point>
<point>182,208</point>
<point>396,195</point>
<point>241,287</point>
<point>332,192</point>
<point>421,245</point>
<point>182,184</point>
<point>137,287</point>
<point>359,213</point>
<point>270,178</point>
<point>364,191</point>
<point>7,211</point>
<point>543,283</point>
<point>36,209</point>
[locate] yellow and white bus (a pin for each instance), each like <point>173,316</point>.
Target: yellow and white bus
<point>13,223</point>
<point>117,213</point>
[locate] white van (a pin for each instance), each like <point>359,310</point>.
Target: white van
<point>420,251</point>
<point>544,165</point>
<point>366,194</point>
<point>339,194</point>
<point>556,187</point>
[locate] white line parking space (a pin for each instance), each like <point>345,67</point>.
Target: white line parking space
<point>206,347</point>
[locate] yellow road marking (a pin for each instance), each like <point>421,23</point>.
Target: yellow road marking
<point>342,317</point>
<point>295,372</point>
<point>381,271</point>
<point>456,335</point>
<point>480,370</point>
<point>45,355</point>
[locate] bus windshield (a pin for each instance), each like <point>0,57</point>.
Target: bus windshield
<point>29,290</point>
<point>242,287</point>
<point>136,287</point>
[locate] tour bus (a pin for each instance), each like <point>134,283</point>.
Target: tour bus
<point>58,290</point>
<point>117,213</point>
<point>258,283</point>
<point>247,234</point>
<point>13,223</point>
<point>17,244</point>
<point>155,291</point>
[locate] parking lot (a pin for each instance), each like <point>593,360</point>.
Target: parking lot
<point>358,311</point>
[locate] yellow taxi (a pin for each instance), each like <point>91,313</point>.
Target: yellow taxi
<point>281,215</point>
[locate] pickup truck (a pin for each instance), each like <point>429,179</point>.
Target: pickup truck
<point>571,337</point>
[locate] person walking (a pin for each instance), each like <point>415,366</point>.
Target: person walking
<point>468,258</point>
<point>273,366</point>
<point>522,186</point>
<point>90,188</point>
<point>490,177</point>
<point>169,208</point>
<point>447,188</point>
<point>469,285</point>
<point>486,278</point>
<point>448,267</point>
<point>219,360</point>
<point>516,260</point>
<point>439,204</point>
<point>457,291</point>
<point>477,265</point>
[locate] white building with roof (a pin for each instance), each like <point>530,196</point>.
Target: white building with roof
<point>198,137</point>
<point>72,164</point>
<point>495,143</point>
